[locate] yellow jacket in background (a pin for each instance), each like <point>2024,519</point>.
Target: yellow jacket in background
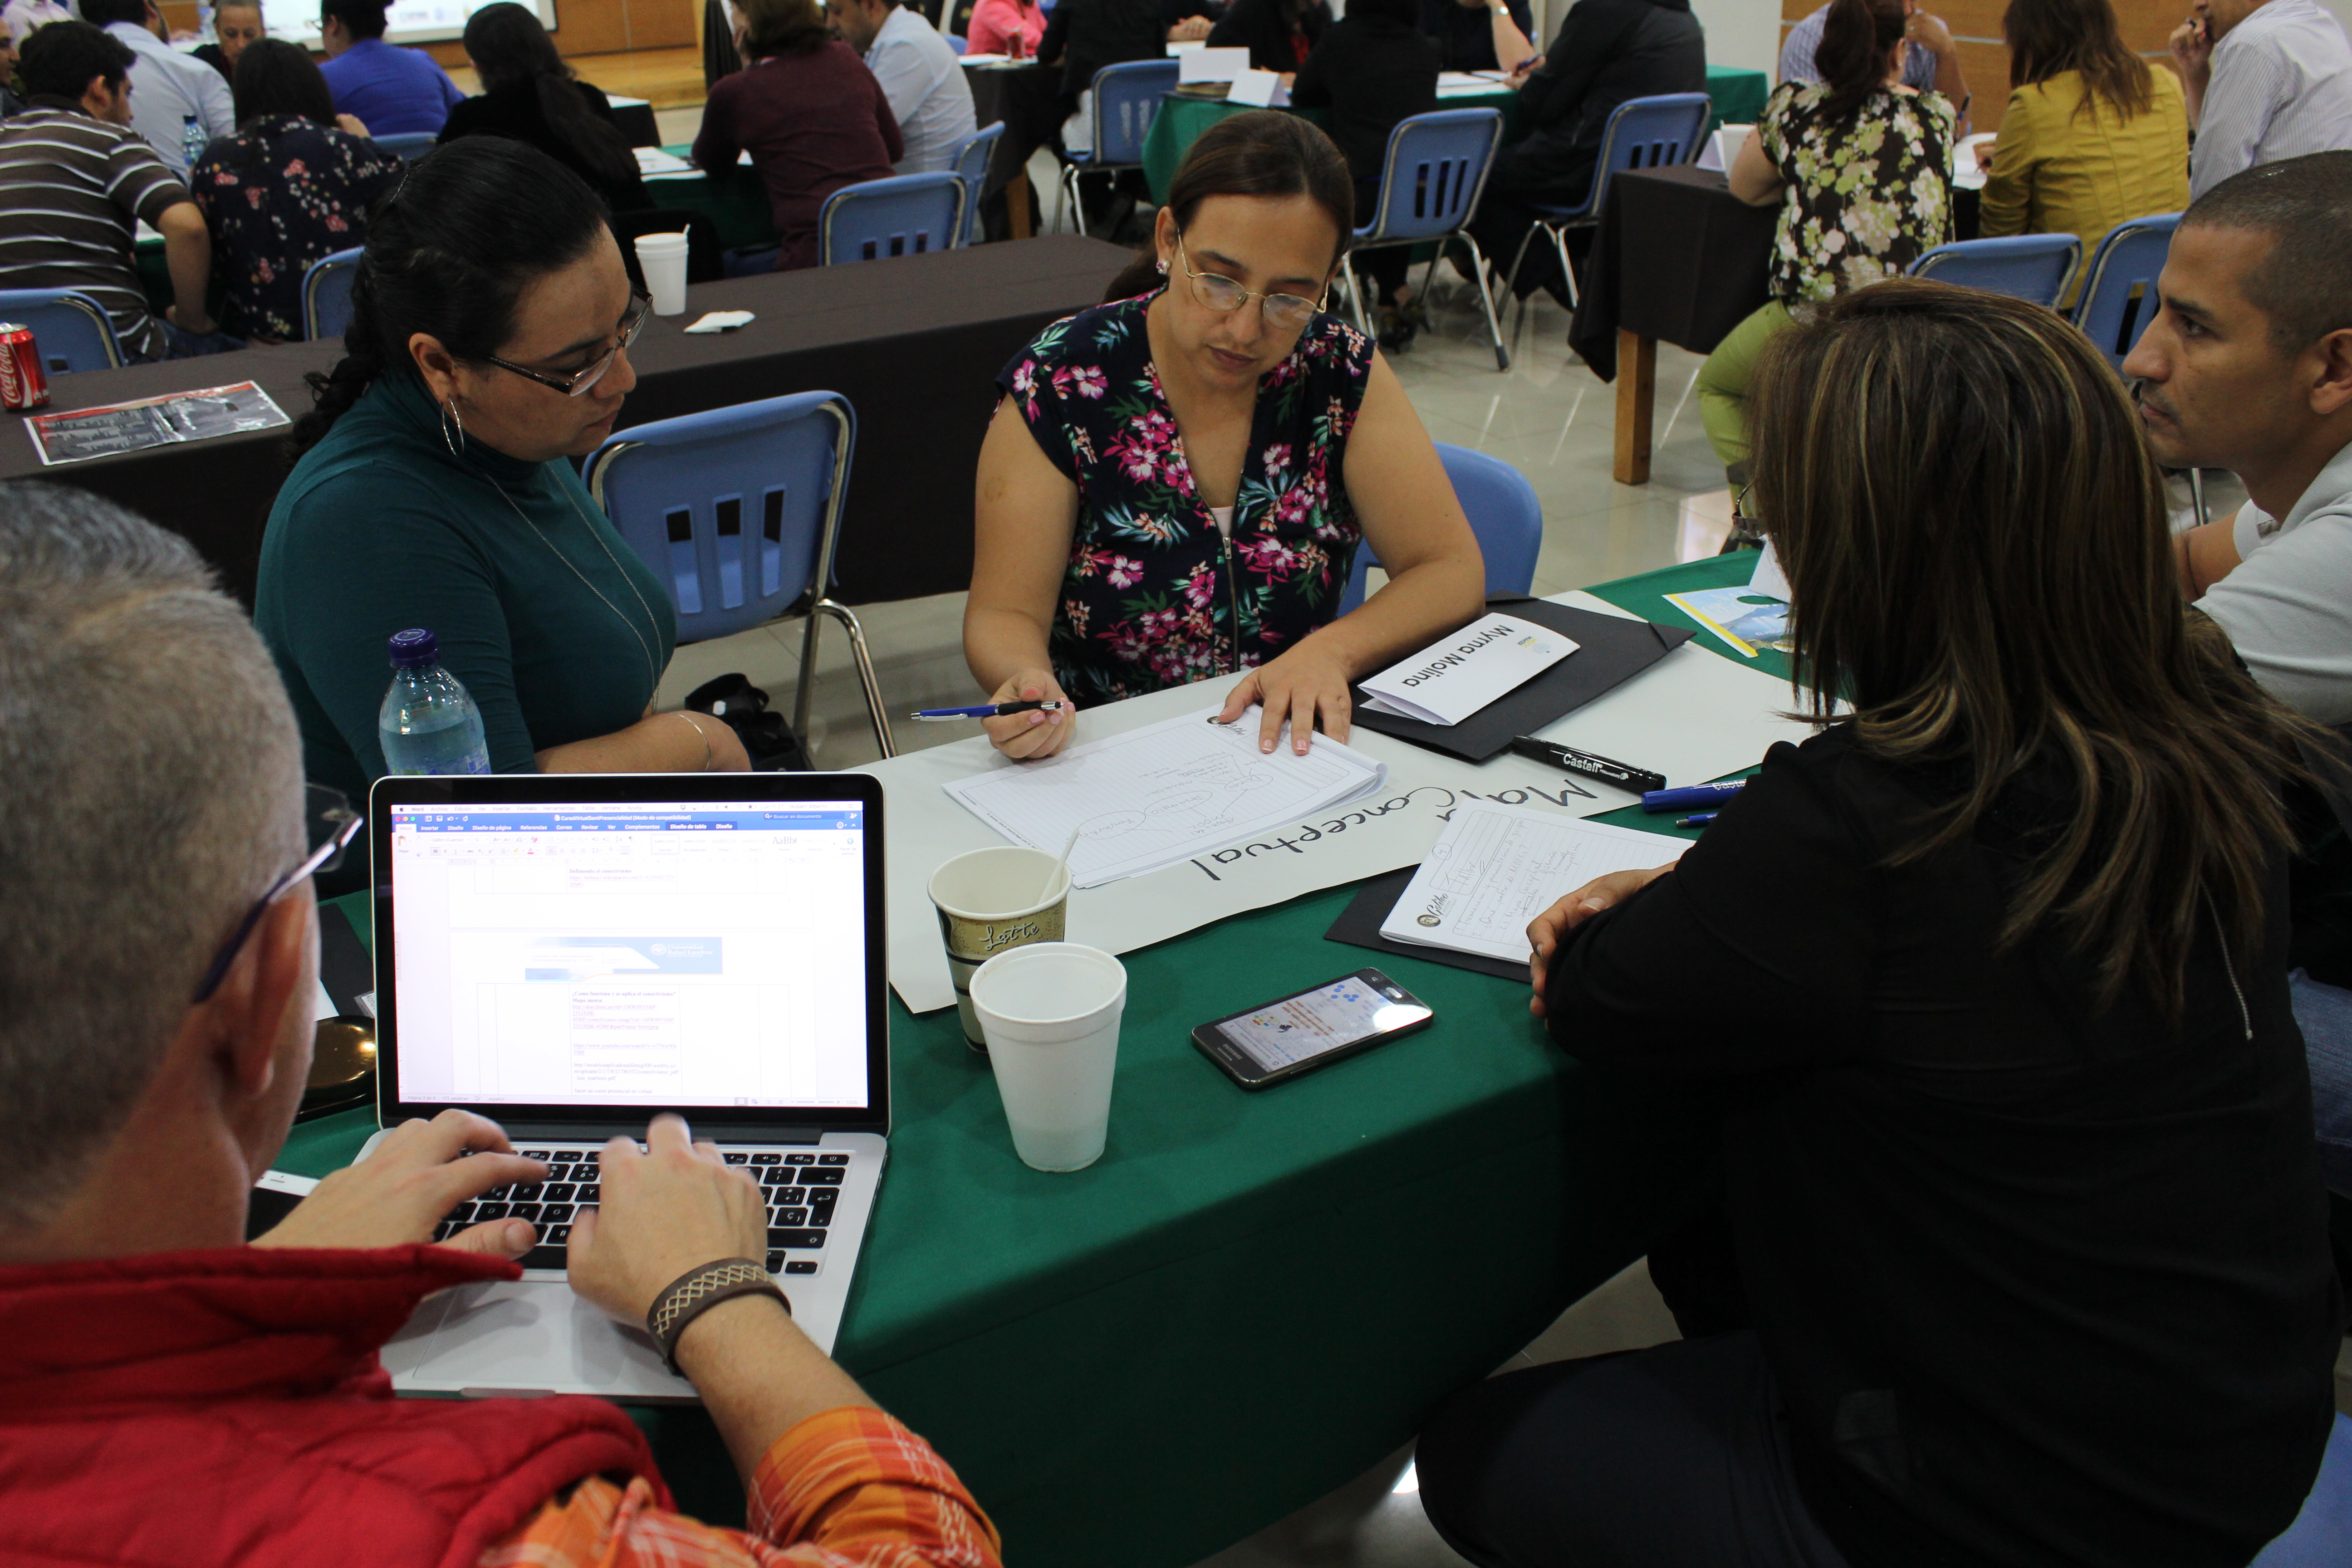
<point>2055,171</point>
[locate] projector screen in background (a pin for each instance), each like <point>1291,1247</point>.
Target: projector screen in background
<point>411,21</point>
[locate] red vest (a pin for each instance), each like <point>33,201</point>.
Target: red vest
<point>226,1407</point>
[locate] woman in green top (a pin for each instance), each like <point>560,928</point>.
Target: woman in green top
<point>490,324</point>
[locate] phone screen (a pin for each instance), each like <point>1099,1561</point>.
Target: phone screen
<point>1298,1029</point>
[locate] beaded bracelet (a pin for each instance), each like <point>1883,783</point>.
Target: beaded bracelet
<point>698,1291</point>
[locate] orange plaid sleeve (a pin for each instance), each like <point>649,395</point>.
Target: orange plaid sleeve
<point>847,1488</point>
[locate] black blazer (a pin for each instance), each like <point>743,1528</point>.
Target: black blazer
<point>1263,27</point>
<point>514,111</point>
<point>1370,72</point>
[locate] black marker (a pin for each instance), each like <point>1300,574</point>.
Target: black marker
<point>1625,775</point>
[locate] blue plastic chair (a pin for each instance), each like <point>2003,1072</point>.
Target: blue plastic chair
<point>958,42</point>
<point>70,330</point>
<point>1643,133</point>
<point>2031,267</point>
<point>1430,185</point>
<point>1126,98</point>
<point>326,294</point>
<point>1504,513</point>
<point>2119,300</point>
<point>906,214</point>
<point>2321,1535</point>
<point>970,164</point>
<point>739,512</point>
<point>409,145</point>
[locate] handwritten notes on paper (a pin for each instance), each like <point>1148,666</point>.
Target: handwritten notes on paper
<point>1496,868</point>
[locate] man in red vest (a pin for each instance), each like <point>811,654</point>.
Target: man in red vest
<point>171,1395</point>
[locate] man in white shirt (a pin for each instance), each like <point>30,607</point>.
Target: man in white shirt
<point>2266,79</point>
<point>1930,59</point>
<point>2248,366</point>
<point>919,74</point>
<point>166,86</point>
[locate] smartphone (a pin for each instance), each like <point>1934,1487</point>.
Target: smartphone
<point>1298,1034</point>
<point>273,1198</point>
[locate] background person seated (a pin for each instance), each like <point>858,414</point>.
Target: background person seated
<point>167,87</point>
<point>1278,34</point>
<point>2265,80</point>
<point>1606,52</point>
<point>1175,483</point>
<point>2023,1253</point>
<point>2248,366</point>
<point>491,320</point>
<point>289,189</point>
<point>919,74</point>
<point>235,25</point>
<point>1479,35</point>
<point>1857,164</point>
<point>248,1375</point>
<point>74,180</point>
<point>397,91</point>
<point>9,103</point>
<point>809,113</point>
<point>995,23</point>
<point>530,94</point>
<point>2092,135</point>
<point>1930,60</point>
<point>21,17</point>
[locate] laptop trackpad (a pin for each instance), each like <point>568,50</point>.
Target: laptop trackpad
<point>524,1337</point>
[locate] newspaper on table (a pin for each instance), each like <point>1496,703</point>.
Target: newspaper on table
<point>119,428</point>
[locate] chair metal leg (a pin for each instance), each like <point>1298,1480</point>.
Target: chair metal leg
<point>1486,298</point>
<point>865,677</point>
<point>807,689</point>
<point>1559,244</point>
<point>1518,257</point>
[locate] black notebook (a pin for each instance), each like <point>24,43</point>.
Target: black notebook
<point>1609,651</point>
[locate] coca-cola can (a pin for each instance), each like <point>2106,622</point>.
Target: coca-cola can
<point>23,382</point>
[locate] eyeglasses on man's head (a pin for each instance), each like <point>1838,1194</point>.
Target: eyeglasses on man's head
<point>331,823</point>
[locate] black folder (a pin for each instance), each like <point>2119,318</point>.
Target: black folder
<point>1609,651</point>
<point>1359,925</point>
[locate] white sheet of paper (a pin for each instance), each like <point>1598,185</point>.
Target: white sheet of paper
<point>1262,90</point>
<point>1965,173</point>
<point>1694,715</point>
<point>1496,868</point>
<point>1723,147</point>
<point>1462,81</point>
<point>984,59</point>
<point>1769,578</point>
<point>1153,796</point>
<point>323,1006</point>
<point>1211,65</point>
<point>723,320</point>
<point>1461,673</point>
<point>653,161</point>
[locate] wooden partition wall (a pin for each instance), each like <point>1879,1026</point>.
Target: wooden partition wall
<point>1975,29</point>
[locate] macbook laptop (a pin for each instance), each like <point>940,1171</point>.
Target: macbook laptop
<point>571,954</point>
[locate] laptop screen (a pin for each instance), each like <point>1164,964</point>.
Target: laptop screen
<point>683,953</point>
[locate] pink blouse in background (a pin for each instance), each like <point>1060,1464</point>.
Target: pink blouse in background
<point>994,21</point>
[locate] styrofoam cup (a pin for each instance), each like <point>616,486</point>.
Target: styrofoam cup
<point>662,257</point>
<point>1051,1012</point>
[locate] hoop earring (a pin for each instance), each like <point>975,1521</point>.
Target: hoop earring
<point>449,418</point>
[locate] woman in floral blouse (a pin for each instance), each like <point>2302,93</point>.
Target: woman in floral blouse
<point>1176,481</point>
<point>1860,165</point>
<point>292,186</point>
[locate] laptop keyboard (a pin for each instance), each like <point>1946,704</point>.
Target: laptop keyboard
<point>801,1190</point>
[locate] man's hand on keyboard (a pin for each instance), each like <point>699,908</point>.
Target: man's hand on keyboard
<point>417,1174</point>
<point>673,1208</point>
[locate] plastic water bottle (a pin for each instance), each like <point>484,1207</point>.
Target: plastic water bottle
<point>193,139</point>
<point>428,723</point>
<point>205,23</point>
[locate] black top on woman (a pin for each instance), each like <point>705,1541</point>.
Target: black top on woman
<point>529,93</point>
<point>1278,34</point>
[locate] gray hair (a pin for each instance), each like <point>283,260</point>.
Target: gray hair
<point>150,790</point>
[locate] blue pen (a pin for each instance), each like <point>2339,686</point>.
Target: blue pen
<point>1683,796</point>
<point>1695,819</point>
<point>984,711</point>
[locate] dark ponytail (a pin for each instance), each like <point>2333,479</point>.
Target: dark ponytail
<point>1856,37</point>
<point>1259,153</point>
<point>449,252</point>
<point>508,47</point>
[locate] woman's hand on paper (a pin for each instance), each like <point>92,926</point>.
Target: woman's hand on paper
<point>1545,931</point>
<point>1305,684</point>
<point>418,1174</point>
<point>1039,732</point>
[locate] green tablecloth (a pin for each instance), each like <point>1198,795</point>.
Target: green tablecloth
<point>1738,98</point>
<point>1251,1297</point>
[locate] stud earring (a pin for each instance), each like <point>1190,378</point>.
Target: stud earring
<point>1163,267</point>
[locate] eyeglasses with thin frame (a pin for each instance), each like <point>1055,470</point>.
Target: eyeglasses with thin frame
<point>1286,312</point>
<point>641,305</point>
<point>326,810</point>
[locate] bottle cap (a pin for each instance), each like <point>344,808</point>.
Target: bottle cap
<point>414,648</point>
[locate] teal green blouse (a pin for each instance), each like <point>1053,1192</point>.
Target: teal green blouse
<point>557,628</point>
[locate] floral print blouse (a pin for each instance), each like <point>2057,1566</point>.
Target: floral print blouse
<point>282,192</point>
<point>1154,594</point>
<point>1866,199</point>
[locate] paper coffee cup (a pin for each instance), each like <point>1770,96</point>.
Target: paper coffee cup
<point>991,900</point>
<point>1051,1012</point>
<point>662,258</point>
